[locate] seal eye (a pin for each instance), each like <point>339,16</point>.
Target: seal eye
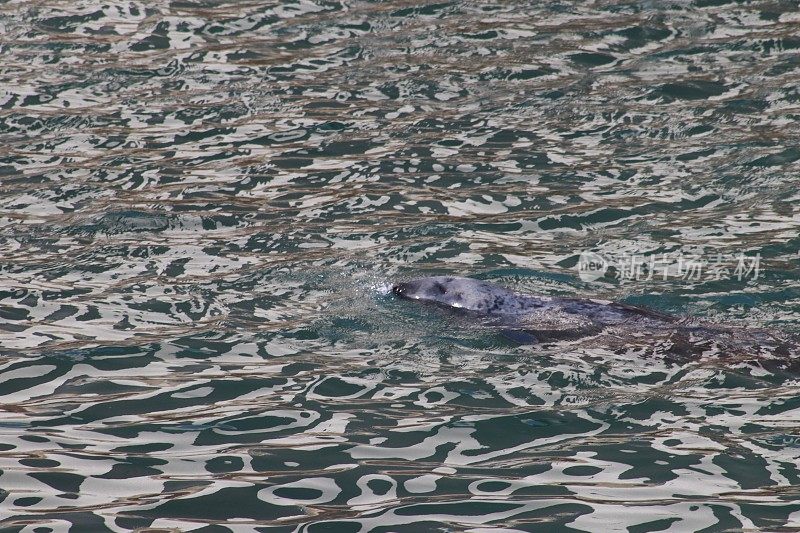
<point>399,289</point>
<point>441,288</point>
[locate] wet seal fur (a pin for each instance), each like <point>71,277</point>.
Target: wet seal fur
<point>532,319</point>
<point>486,298</point>
<point>528,319</point>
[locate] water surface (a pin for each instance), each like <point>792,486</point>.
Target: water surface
<point>203,204</point>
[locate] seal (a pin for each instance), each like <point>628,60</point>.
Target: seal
<point>482,297</point>
<point>529,319</point>
<point>534,318</point>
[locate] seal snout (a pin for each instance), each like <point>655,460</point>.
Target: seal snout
<point>400,289</point>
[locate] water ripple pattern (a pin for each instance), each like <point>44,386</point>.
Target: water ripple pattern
<point>203,204</point>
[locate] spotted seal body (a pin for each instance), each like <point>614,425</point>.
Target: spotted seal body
<point>467,294</point>
<point>528,319</point>
<point>541,316</point>
<point>486,298</point>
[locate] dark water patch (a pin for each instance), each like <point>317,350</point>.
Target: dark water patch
<point>690,90</point>
<point>589,59</point>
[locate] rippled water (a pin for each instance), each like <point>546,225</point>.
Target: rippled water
<point>203,204</point>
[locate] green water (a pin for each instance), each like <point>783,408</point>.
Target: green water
<point>203,206</point>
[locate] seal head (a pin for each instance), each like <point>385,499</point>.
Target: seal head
<point>466,294</point>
